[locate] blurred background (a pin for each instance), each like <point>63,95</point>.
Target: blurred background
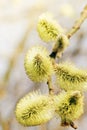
<point>18,32</point>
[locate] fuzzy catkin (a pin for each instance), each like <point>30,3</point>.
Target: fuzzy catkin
<point>34,109</point>
<point>69,106</point>
<point>38,65</point>
<point>71,78</point>
<point>48,28</point>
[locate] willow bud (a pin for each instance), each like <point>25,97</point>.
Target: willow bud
<point>38,65</point>
<point>61,44</point>
<point>34,109</point>
<point>48,28</point>
<point>71,78</point>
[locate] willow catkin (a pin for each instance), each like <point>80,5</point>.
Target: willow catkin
<point>48,28</point>
<point>37,63</point>
<point>34,109</point>
<point>70,78</point>
<point>69,106</point>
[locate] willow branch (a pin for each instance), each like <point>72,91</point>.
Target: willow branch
<point>73,30</point>
<point>78,23</point>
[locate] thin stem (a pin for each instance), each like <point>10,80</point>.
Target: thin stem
<point>78,23</point>
<point>49,82</point>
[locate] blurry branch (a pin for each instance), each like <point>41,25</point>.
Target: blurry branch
<point>78,23</point>
<point>16,53</point>
<point>2,92</point>
<point>6,125</point>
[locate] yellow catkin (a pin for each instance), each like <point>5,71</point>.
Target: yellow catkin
<point>34,109</point>
<point>69,106</point>
<point>71,78</point>
<point>37,63</point>
<point>48,28</point>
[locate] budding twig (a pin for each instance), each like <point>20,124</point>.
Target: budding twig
<point>73,30</point>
